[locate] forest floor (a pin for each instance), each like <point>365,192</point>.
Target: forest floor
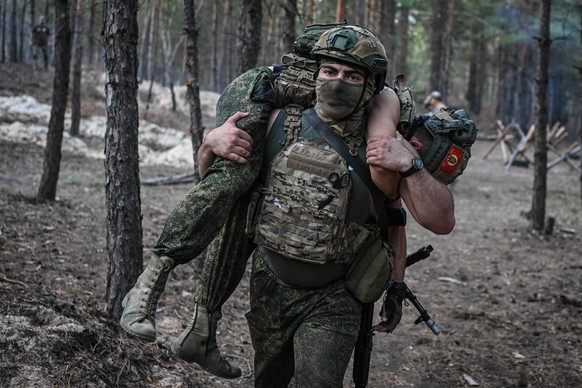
<point>508,301</point>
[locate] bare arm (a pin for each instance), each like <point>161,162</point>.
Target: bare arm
<point>225,141</point>
<point>383,115</point>
<point>429,201</point>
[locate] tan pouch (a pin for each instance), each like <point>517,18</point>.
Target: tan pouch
<point>371,271</point>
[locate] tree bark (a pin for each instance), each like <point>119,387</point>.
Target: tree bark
<point>13,47</point>
<point>288,24</point>
<point>538,208</point>
<point>386,32</point>
<point>250,34</point>
<point>192,81</point>
<point>580,97</point>
<point>4,5</point>
<point>507,82</point>
<point>340,11</point>
<point>52,156</point>
<point>77,71</point>
<point>122,187</point>
<point>21,33</point>
<point>474,93</point>
<point>90,41</point>
<point>402,41</point>
<point>145,42</point>
<point>224,61</point>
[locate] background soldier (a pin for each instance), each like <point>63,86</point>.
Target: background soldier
<point>434,102</point>
<point>39,37</point>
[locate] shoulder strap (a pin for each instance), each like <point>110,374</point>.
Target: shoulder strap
<point>359,167</point>
<point>292,122</point>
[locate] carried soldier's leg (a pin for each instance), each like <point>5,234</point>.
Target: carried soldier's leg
<point>223,269</point>
<point>202,212</point>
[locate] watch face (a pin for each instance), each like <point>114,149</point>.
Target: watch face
<point>418,163</point>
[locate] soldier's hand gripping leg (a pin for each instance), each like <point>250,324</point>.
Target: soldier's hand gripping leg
<point>198,344</point>
<point>139,305</point>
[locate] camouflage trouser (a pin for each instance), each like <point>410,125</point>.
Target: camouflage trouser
<point>226,259</point>
<point>203,211</point>
<point>302,337</point>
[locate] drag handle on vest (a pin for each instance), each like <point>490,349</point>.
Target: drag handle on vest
<point>363,349</point>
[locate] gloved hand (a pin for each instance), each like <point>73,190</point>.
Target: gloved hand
<point>391,312</point>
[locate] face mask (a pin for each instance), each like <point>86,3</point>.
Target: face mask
<point>336,99</point>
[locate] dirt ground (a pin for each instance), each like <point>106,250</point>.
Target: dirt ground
<point>508,301</point>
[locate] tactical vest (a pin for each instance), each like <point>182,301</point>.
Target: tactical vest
<point>306,198</point>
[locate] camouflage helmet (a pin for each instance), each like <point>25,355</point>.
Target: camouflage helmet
<point>452,135</point>
<point>355,46</point>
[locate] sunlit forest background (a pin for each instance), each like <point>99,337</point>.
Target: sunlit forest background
<point>481,55</point>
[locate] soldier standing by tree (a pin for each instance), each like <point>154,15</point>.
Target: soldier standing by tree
<point>39,37</point>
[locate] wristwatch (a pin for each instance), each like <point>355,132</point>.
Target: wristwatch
<point>417,165</point>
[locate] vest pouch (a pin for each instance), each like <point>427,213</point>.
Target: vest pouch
<point>371,271</point>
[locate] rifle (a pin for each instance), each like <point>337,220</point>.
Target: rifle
<point>363,349</point>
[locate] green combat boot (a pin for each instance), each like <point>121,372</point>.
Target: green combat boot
<point>198,344</point>
<point>139,305</point>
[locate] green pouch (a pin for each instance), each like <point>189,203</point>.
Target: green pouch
<point>371,271</point>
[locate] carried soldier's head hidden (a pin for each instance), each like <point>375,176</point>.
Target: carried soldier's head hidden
<point>446,139</point>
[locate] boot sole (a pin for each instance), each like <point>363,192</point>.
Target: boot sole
<point>142,337</point>
<point>193,361</point>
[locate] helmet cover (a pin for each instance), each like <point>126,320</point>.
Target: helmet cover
<point>355,46</point>
<point>452,134</point>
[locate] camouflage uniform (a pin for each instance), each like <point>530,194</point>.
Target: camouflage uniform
<point>203,211</point>
<point>302,337</point>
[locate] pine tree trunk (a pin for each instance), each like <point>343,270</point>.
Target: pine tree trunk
<point>4,5</point>
<point>145,43</point>
<point>32,13</point>
<point>250,34</point>
<point>474,92</point>
<point>13,47</point>
<point>47,189</point>
<point>580,121</point>
<point>21,33</point>
<point>386,31</point>
<point>507,83</point>
<point>402,41</point>
<point>538,208</point>
<point>90,41</point>
<point>193,82</point>
<point>436,22</point>
<point>288,24</point>
<point>524,95</point>
<point>77,71</point>
<point>214,29</point>
<point>340,11</point>
<point>122,190</point>
<point>224,71</point>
